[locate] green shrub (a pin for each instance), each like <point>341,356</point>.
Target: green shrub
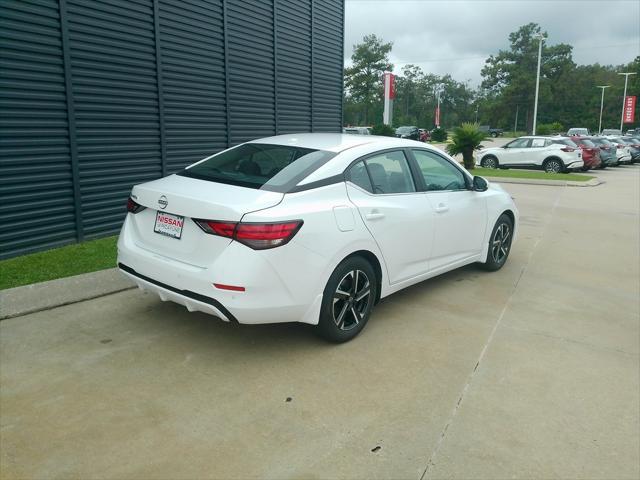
<point>439,135</point>
<point>465,140</point>
<point>549,128</point>
<point>383,130</point>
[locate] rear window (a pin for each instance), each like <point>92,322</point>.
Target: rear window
<point>565,141</point>
<point>585,142</point>
<point>276,168</point>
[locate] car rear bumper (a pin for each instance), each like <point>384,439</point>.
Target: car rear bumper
<point>575,164</point>
<point>194,302</point>
<point>272,292</point>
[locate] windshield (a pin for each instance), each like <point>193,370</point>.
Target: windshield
<point>277,168</point>
<point>404,129</point>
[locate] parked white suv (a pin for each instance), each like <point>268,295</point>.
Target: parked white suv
<point>623,152</point>
<point>583,132</point>
<point>544,153</point>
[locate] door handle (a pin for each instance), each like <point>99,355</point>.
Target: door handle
<point>441,208</point>
<point>374,216</point>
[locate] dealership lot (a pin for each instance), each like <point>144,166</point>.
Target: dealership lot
<point>529,372</point>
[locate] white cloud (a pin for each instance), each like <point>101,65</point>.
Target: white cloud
<point>456,36</point>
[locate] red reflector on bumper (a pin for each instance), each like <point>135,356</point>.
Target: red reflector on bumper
<point>233,288</point>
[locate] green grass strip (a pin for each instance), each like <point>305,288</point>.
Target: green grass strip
<point>529,174</point>
<point>58,263</point>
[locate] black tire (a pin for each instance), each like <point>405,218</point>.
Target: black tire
<point>489,162</point>
<point>494,134</point>
<point>499,244</point>
<point>553,165</point>
<point>344,311</point>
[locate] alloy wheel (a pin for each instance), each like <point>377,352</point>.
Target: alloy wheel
<point>501,243</point>
<point>351,299</point>
<point>490,163</point>
<point>553,166</point>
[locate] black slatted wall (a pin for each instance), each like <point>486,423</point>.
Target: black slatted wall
<point>293,68</point>
<point>327,38</point>
<point>193,80</point>
<point>115,98</point>
<point>36,181</point>
<point>98,95</point>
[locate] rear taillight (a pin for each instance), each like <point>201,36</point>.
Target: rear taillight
<point>133,206</point>
<point>258,236</point>
<point>568,149</point>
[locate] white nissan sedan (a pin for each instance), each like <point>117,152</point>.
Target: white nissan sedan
<point>313,228</point>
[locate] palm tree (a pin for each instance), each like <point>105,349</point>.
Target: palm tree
<point>465,140</point>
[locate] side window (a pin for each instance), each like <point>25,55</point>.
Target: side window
<point>390,173</point>
<point>358,175</point>
<point>438,173</point>
<point>537,142</point>
<point>519,143</point>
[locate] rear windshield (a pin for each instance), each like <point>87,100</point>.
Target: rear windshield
<point>405,129</point>
<point>276,168</point>
<point>601,141</point>
<point>585,142</point>
<point>565,141</point>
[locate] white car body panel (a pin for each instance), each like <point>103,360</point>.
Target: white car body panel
<point>413,236</point>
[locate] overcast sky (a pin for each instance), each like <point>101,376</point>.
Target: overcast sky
<point>456,36</point>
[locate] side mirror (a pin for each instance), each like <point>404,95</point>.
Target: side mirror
<point>480,184</point>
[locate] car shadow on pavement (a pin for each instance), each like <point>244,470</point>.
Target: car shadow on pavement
<point>198,327</point>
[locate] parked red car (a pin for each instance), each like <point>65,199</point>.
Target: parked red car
<point>590,152</point>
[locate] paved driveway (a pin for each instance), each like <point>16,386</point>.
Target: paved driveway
<point>530,372</point>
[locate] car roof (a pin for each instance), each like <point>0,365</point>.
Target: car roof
<point>332,142</point>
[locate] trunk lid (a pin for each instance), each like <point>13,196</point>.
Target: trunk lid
<point>192,198</point>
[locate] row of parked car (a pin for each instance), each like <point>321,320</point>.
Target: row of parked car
<point>560,153</point>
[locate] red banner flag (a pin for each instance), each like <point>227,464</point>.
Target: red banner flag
<point>629,109</point>
<point>389,85</point>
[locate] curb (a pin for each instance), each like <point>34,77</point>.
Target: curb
<point>18,301</point>
<point>594,182</point>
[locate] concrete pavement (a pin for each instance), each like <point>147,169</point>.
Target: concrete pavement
<point>529,372</point>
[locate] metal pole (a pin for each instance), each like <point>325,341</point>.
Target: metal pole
<point>515,124</point>
<point>438,125</point>
<point>601,105</point>
<point>535,105</point>
<point>624,97</point>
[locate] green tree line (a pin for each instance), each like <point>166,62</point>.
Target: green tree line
<point>568,92</point>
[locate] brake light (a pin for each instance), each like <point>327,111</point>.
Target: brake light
<point>568,149</point>
<point>221,229</point>
<point>259,236</point>
<point>133,206</point>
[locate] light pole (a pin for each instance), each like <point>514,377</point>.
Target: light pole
<point>540,37</point>
<point>601,105</point>
<point>438,92</point>
<point>624,97</point>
